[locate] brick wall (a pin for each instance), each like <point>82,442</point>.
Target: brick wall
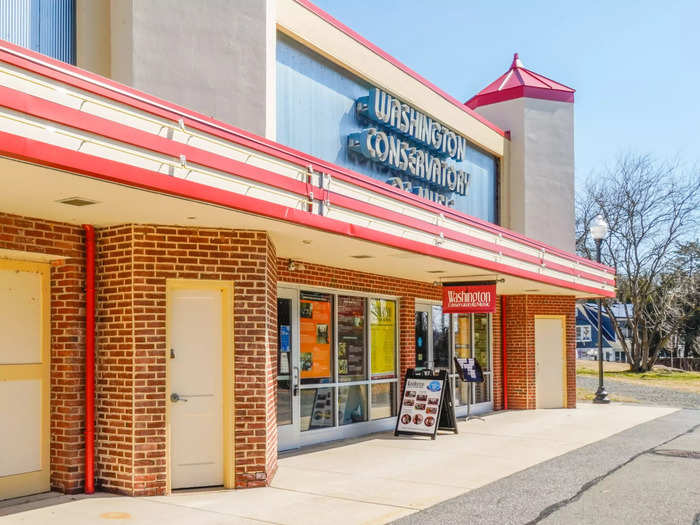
<point>134,263</point>
<point>520,327</point>
<point>66,242</point>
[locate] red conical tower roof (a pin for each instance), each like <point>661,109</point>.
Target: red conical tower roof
<point>519,82</point>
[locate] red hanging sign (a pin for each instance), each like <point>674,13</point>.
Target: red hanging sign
<point>466,298</point>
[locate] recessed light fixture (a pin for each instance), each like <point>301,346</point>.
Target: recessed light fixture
<point>436,271</point>
<point>306,241</point>
<point>533,290</point>
<point>362,256</point>
<point>77,201</point>
<point>191,217</point>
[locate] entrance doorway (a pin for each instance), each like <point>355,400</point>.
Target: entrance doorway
<point>200,383</point>
<point>550,362</point>
<point>287,369</point>
<point>439,337</point>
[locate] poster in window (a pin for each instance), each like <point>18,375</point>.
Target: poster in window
<point>383,337</point>
<point>315,321</point>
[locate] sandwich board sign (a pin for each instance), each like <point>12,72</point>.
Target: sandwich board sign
<point>426,404</point>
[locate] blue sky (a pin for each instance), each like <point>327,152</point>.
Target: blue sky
<point>635,65</point>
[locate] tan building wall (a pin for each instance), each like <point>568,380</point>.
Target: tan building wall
<point>216,57</point>
<point>540,181</point>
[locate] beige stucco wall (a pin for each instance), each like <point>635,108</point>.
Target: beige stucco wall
<point>92,39</point>
<point>213,56</point>
<point>540,182</point>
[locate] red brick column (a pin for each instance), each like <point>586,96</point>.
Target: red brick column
<point>520,327</point>
<point>497,357</point>
<point>407,337</point>
<point>134,263</point>
<point>65,244</point>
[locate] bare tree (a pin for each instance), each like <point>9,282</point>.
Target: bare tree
<point>652,209</point>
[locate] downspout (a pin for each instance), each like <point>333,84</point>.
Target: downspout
<point>89,359</point>
<point>504,355</point>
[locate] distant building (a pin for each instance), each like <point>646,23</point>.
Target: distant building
<point>587,332</point>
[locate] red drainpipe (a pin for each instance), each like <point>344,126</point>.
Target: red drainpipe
<point>504,356</point>
<point>89,359</point>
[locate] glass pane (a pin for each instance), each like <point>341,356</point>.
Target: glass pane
<point>351,339</point>
<point>441,339</point>
<point>463,335</point>
<point>422,340</point>
<point>482,392</point>
<point>284,354</point>
<point>462,391</point>
<point>481,340</point>
<point>352,404</point>
<point>383,338</point>
<point>316,327</point>
<point>383,400</point>
<point>317,408</point>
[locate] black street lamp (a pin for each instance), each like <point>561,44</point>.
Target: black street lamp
<point>599,230</point>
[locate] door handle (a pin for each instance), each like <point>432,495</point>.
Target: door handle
<point>176,397</point>
<point>295,381</point>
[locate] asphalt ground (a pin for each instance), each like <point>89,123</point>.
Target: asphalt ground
<point>630,477</point>
<point>646,395</point>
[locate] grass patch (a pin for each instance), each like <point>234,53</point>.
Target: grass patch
<point>664,374</point>
<point>661,377</point>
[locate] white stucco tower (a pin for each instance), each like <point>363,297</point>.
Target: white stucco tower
<point>538,190</point>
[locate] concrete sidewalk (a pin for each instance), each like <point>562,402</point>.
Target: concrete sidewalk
<point>372,480</point>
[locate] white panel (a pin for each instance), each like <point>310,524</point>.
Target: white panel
<point>549,365</point>
<point>20,317</point>
<point>20,431</point>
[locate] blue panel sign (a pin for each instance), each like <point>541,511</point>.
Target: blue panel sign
<point>285,345</point>
<point>332,114</point>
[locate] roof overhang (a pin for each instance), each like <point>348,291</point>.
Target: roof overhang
<point>65,132</point>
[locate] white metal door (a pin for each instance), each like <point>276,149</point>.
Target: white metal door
<point>196,398</point>
<point>549,362</point>
<point>288,406</point>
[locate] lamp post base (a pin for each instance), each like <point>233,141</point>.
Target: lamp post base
<point>601,396</point>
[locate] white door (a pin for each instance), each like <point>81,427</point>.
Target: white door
<point>24,378</point>
<point>195,397</point>
<point>549,362</point>
<point>288,369</point>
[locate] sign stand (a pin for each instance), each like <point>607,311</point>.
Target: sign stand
<point>469,406</point>
<point>469,372</point>
<point>427,404</point>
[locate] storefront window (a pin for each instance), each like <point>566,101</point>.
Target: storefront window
<point>347,359</point>
<point>383,338</point>
<point>352,404</point>
<point>316,327</point>
<point>317,408</point>
<point>352,349</point>
<point>383,400</point>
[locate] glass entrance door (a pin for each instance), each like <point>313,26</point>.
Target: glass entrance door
<point>288,406</point>
<point>432,341</point>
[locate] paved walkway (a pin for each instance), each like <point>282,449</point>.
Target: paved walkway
<point>644,394</point>
<point>648,474</point>
<point>372,480</point>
